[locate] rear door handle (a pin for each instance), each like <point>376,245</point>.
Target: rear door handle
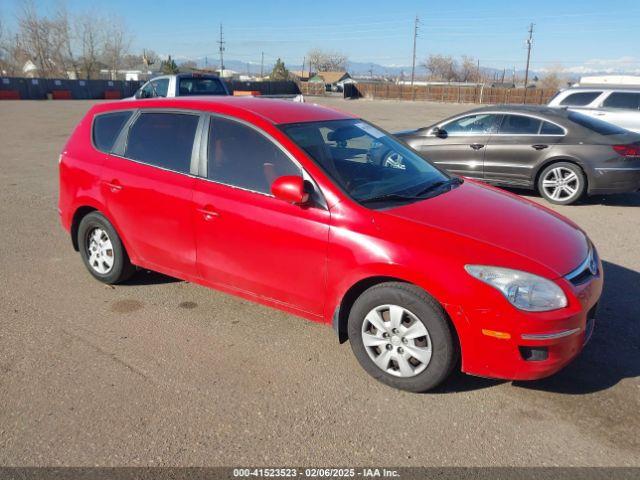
<point>476,146</point>
<point>208,213</point>
<point>539,147</point>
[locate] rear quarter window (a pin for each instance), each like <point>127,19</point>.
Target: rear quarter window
<point>106,128</point>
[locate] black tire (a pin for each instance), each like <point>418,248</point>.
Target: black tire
<point>121,268</point>
<point>579,184</point>
<point>443,341</point>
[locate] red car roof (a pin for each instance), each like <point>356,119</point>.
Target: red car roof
<point>273,110</point>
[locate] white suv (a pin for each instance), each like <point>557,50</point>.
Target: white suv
<point>617,105</point>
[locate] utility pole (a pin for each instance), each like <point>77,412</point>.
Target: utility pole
<point>526,72</point>
<point>221,42</point>
<point>415,37</point>
<point>304,60</point>
<point>261,65</point>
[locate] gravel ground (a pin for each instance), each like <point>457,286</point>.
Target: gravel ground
<point>163,372</point>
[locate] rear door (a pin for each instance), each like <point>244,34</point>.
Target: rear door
<point>460,146</point>
<point>247,239</point>
<point>148,183</point>
<point>517,146</point>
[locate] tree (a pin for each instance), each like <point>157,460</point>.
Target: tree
<point>324,61</point>
<point>91,40</point>
<point>552,79</point>
<point>441,67</point>
<point>188,65</point>
<point>279,71</point>
<point>169,67</point>
<point>35,37</point>
<point>116,45</point>
<point>63,40</point>
<point>468,69</point>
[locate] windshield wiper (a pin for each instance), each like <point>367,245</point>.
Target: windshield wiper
<point>453,181</point>
<point>391,197</point>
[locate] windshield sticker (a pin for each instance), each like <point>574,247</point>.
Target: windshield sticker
<point>369,130</point>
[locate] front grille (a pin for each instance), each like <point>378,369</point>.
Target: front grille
<point>587,270</point>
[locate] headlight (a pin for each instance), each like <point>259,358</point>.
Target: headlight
<point>524,290</point>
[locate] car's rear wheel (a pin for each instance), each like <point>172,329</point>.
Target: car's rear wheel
<point>102,250</point>
<point>401,336</point>
<point>562,183</point>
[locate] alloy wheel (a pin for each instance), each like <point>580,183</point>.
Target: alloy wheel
<point>396,341</point>
<point>561,184</point>
<point>100,253</point>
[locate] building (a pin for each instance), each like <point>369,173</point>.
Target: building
<point>333,81</point>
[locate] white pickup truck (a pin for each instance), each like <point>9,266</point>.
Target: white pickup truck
<point>186,84</point>
<point>599,97</point>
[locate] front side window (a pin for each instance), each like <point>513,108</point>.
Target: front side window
<point>580,99</point>
<point>480,124</point>
<point>161,87</point>
<point>519,125</point>
<point>200,86</point>
<point>624,100</point>
<point>240,156</point>
<point>369,165</point>
<point>106,128</point>
<point>163,139</point>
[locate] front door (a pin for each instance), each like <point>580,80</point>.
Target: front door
<point>247,239</point>
<point>460,144</point>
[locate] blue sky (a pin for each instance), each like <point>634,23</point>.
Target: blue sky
<point>579,35</point>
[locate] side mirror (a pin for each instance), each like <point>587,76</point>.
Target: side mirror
<point>290,189</point>
<point>439,132</point>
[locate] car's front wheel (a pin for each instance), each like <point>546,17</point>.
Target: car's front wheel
<point>102,251</point>
<point>562,183</point>
<point>401,336</point>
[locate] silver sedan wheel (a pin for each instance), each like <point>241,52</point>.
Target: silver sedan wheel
<point>561,184</point>
<point>396,340</point>
<point>100,251</point>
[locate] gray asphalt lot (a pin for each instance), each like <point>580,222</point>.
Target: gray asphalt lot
<point>163,372</point>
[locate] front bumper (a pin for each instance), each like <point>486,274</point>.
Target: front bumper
<point>510,344</point>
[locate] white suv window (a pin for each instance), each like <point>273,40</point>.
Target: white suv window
<point>580,99</point>
<point>624,100</point>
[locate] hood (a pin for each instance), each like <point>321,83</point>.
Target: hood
<point>503,221</point>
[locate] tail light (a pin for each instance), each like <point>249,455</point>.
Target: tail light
<point>627,150</point>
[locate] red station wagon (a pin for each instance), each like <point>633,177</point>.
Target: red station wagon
<point>326,216</point>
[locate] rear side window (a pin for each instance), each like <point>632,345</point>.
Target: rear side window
<point>163,139</point>
<point>580,99</point>
<point>595,125</point>
<point>519,125</point>
<point>549,128</point>
<point>200,86</point>
<point>242,157</point>
<point>106,128</point>
<point>625,100</point>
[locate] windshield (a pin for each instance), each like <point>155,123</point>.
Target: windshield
<point>201,86</point>
<point>595,125</point>
<point>371,166</point>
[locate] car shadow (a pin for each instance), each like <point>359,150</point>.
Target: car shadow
<point>612,354</point>
<point>149,277</point>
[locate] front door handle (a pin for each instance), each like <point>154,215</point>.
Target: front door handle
<point>113,185</point>
<point>208,213</point>
<point>539,147</point>
<point>476,146</point>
